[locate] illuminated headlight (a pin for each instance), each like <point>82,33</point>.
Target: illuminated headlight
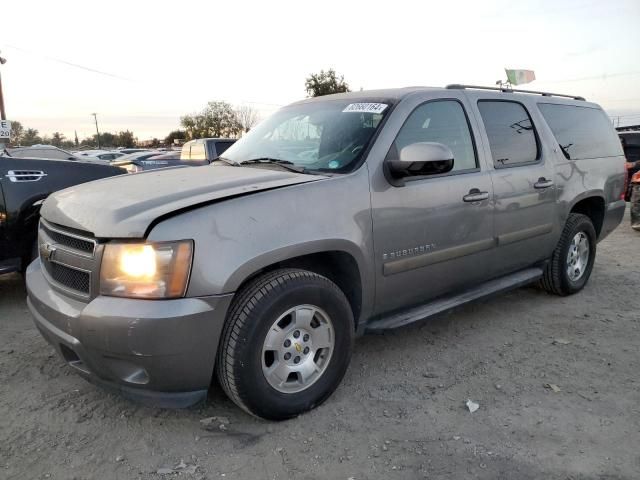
<point>146,270</point>
<point>132,168</point>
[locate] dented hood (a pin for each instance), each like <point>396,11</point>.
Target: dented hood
<point>125,206</point>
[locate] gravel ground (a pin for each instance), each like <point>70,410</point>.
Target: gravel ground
<point>399,414</point>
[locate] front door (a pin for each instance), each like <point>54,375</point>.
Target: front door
<point>435,233</point>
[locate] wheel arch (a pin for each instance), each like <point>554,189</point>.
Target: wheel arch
<point>591,204</point>
<point>339,261</point>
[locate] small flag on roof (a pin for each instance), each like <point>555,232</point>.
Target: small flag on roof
<point>518,77</point>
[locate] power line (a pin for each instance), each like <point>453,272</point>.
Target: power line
<point>71,64</point>
<point>625,116</point>
<point>604,76</point>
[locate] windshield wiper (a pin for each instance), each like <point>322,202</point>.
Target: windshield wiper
<point>275,161</point>
<point>228,161</point>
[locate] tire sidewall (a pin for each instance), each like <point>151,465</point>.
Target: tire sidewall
<point>585,226</point>
<point>262,399</point>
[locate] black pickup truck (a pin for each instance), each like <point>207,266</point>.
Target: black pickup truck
<point>24,184</point>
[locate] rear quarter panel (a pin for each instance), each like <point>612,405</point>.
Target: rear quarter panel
<point>576,180</point>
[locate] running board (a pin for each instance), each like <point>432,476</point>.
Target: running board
<point>502,284</point>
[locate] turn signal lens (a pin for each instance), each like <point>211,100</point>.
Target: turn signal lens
<point>146,270</point>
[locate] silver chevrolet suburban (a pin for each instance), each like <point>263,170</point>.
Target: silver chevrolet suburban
<point>338,215</point>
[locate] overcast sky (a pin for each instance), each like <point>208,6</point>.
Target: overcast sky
<point>165,59</point>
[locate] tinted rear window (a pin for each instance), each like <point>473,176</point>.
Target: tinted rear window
<point>581,132</point>
<point>512,138</point>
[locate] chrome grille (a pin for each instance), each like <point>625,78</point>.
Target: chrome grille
<point>70,277</point>
<point>69,240</point>
<point>69,260</point>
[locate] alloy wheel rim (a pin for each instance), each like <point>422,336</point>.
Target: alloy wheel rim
<point>298,348</point>
<point>578,256</point>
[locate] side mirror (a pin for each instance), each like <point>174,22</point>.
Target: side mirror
<point>422,158</point>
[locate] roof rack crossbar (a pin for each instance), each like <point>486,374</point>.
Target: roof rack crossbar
<point>457,86</point>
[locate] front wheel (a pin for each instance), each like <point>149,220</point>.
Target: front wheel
<point>286,344</point>
<point>572,261</point>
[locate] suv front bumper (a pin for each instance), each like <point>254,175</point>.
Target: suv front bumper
<point>159,352</point>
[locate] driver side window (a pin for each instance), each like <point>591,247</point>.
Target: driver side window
<point>441,121</point>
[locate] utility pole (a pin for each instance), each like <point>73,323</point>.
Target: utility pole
<point>3,114</point>
<point>95,117</point>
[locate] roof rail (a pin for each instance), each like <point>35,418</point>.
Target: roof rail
<point>457,86</point>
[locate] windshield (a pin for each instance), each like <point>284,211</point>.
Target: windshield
<point>327,136</point>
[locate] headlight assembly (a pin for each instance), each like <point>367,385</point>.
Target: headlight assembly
<point>146,270</point>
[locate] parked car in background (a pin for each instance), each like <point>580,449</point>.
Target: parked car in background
<point>340,214</point>
<point>205,150</point>
<point>105,155</point>
<point>43,151</point>
<point>631,145</point>
<point>24,184</point>
<point>126,151</point>
<point>132,161</point>
<point>157,160</point>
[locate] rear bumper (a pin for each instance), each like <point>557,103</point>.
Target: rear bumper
<point>159,352</point>
<point>613,215</point>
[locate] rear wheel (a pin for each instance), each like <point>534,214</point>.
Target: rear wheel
<point>286,344</point>
<point>572,261</point>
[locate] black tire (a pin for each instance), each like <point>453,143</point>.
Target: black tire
<point>556,279</point>
<point>254,310</point>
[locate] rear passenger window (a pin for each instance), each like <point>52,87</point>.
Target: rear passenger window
<point>512,138</point>
<point>442,121</point>
<point>581,132</point>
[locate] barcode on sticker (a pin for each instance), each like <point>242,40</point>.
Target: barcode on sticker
<point>365,107</point>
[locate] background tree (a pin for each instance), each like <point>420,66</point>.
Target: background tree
<point>175,135</point>
<point>125,139</point>
<point>247,117</point>
<point>56,139</point>
<point>325,83</point>
<point>17,132</point>
<point>107,140</point>
<point>218,119</point>
<point>30,137</point>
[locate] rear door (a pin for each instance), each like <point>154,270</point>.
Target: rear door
<point>524,182</point>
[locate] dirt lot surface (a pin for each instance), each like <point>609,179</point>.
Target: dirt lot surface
<point>399,414</point>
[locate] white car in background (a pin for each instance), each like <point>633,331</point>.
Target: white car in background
<point>106,155</point>
<point>50,152</point>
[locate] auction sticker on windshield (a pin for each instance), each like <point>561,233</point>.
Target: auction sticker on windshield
<point>365,107</point>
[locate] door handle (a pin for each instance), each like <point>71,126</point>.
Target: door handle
<point>543,183</point>
<point>475,195</point>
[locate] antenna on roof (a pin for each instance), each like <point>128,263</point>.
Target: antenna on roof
<point>504,85</point>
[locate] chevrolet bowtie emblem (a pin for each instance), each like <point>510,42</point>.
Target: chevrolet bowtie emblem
<point>298,347</point>
<point>47,251</point>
